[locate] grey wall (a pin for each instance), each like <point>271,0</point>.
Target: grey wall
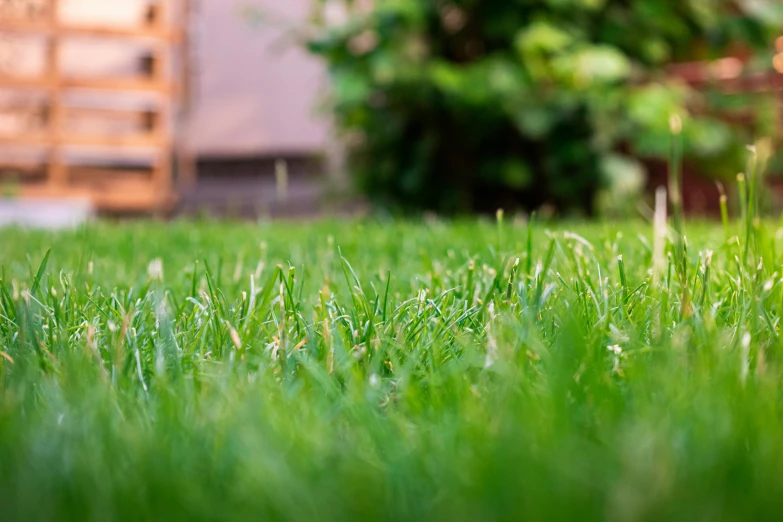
<point>255,91</point>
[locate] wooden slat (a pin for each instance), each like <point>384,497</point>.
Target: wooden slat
<point>128,196</point>
<point>21,167</point>
<point>183,152</point>
<point>108,112</point>
<point>26,82</point>
<point>26,138</point>
<point>141,121</point>
<point>113,84</point>
<point>56,173</point>
<point>94,177</point>
<point>108,176</point>
<point>727,74</point>
<point>130,84</point>
<point>145,199</point>
<point>152,33</point>
<point>76,111</point>
<point>139,197</point>
<point>45,191</point>
<point>144,120</point>
<point>44,28</point>
<point>25,26</point>
<point>162,169</point>
<point>118,141</point>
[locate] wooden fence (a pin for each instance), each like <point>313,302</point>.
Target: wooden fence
<point>56,123</point>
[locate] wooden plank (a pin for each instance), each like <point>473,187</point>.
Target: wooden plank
<point>56,174</point>
<point>120,84</point>
<point>144,120</point>
<point>727,74</point>
<point>76,111</point>
<point>27,138</point>
<point>161,171</point>
<point>140,197</point>
<point>112,84</point>
<point>108,112</point>
<point>146,33</point>
<point>118,141</point>
<point>46,28</point>
<point>107,175</point>
<point>186,169</point>
<point>699,72</point>
<point>127,196</point>
<point>21,167</point>
<point>143,200</point>
<point>25,82</point>
<point>108,141</point>
<point>25,26</point>
<point>45,191</point>
<point>748,84</point>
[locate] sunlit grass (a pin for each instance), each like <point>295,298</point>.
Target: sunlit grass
<point>370,371</point>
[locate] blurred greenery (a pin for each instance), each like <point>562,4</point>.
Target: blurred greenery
<point>472,105</point>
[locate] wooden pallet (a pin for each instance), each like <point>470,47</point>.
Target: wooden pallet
<point>109,186</point>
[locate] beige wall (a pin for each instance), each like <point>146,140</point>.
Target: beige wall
<point>253,91</point>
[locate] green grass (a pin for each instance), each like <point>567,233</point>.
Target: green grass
<point>369,371</point>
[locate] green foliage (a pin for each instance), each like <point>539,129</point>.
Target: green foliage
<point>369,371</point>
<point>476,104</point>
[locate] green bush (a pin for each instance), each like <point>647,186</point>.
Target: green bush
<point>472,105</point>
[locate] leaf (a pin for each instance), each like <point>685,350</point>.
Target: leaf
<point>651,106</point>
<point>6,301</point>
<point>39,275</point>
<point>535,121</point>
<point>516,174</point>
<point>504,78</point>
<point>769,12</point>
<point>542,37</point>
<point>623,175</point>
<point>351,88</point>
<point>446,77</point>
<point>602,63</point>
<point>708,137</point>
<point>656,50</point>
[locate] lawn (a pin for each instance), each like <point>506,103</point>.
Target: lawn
<point>462,371</point>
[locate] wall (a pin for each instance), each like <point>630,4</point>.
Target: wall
<point>254,91</point>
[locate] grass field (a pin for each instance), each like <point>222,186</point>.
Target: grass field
<point>370,371</point>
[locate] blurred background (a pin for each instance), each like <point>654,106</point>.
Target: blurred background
<point>305,108</point>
